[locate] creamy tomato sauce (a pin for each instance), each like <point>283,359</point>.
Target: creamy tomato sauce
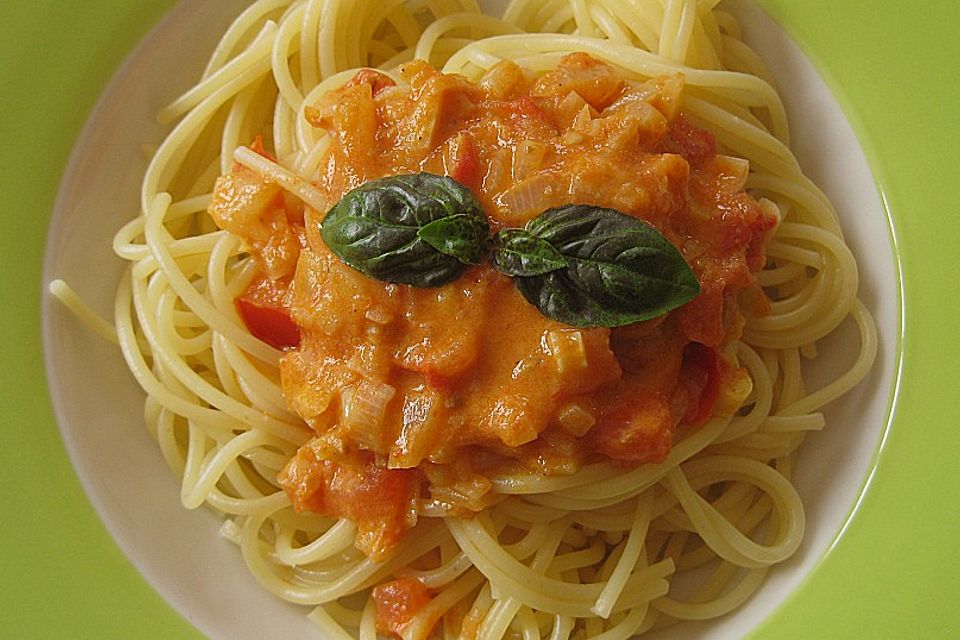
<point>419,396</point>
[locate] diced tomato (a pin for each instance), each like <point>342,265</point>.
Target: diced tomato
<point>701,319</point>
<point>398,602</point>
<point>700,374</point>
<point>594,80</point>
<point>262,311</point>
<point>744,224</point>
<point>696,145</point>
<point>257,147</point>
<point>438,381</point>
<point>638,430</point>
<point>380,501</point>
<point>377,81</point>
<point>525,107</point>
<point>464,161</point>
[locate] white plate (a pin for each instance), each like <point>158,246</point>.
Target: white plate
<point>100,408</point>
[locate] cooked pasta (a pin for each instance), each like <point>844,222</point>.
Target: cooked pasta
<point>601,552</point>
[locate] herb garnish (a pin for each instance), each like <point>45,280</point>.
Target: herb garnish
<point>579,264</point>
<point>591,266</point>
<point>420,229</point>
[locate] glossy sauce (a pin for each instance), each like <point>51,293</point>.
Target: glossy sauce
<point>452,385</point>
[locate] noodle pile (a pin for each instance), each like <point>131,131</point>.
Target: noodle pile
<point>600,553</point>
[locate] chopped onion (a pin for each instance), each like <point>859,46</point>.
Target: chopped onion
<point>527,158</point>
<point>528,198</point>
<point>583,119</point>
<point>229,530</point>
<point>422,432</point>
<point>498,171</point>
<point>576,419</point>
<point>378,315</point>
<point>363,407</point>
<point>771,209</point>
<point>733,173</point>
<point>568,108</point>
<point>501,79</point>
<point>567,349</point>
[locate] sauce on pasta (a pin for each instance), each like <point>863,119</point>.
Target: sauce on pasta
<point>560,483</point>
<point>420,395</point>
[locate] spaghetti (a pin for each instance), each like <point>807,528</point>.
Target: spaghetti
<point>595,553</point>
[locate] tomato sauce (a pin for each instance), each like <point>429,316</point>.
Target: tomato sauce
<point>455,384</point>
<point>398,603</point>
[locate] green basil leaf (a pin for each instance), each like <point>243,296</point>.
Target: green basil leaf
<point>619,269</point>
<point>418,229</point>
<point>518,253</point>
<point>462,236</point>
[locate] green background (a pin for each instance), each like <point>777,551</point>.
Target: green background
<point>894,574</point>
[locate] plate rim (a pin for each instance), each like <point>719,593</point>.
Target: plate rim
<point>905,294</point>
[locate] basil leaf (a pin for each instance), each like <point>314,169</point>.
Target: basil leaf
<point>619,269</point>
<point>418,229</point>
<point>462,236</point>
<point>518,253</point>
